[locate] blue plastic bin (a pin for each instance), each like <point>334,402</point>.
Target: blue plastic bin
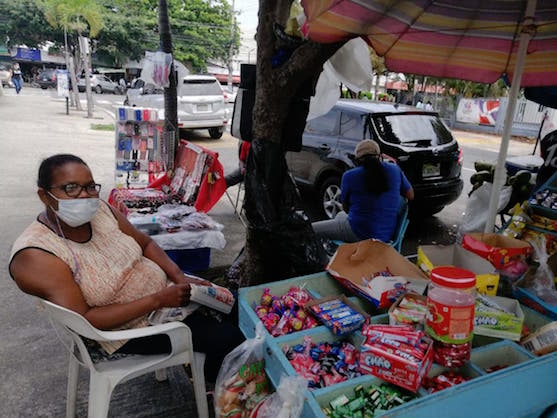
<point>191,260</point>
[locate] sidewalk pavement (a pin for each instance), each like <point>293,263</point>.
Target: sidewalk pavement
<point>33,362</point>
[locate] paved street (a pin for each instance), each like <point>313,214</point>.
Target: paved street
<point>32,360</point>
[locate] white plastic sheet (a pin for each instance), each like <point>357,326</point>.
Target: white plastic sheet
<point>476,212</point>
<point>350,65</point>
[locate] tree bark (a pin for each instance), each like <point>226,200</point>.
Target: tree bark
<point>170,93</point>
<point>279,240</point>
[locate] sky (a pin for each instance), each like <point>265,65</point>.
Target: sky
<point>246,13</point>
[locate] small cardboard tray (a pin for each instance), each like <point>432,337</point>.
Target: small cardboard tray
<point>500,324</point>
<point>392,319</point>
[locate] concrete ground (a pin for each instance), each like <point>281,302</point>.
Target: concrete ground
<point>33,361</point>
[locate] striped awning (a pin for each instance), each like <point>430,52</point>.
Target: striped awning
<point>472,40</point>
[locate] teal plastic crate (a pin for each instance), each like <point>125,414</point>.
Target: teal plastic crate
<point>524,388</point>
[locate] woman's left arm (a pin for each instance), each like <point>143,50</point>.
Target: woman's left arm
<point>153,252</point>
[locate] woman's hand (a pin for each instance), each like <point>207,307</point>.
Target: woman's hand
<point>174,296</point>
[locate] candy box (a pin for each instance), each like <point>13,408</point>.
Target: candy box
<point>337,313</point>
<point>404,372</point>
<point>353,264</point>
<point>487,278</point>
<point>408,310</point>
<point>499,324</point>
<point>496,248</point>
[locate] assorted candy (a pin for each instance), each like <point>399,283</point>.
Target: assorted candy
<point>338,316</point>
<point>545,198</point>
<point>411,309</point>
<point>443,381</point>
<point>324,364</point>
<point>285,314</point>
<point>366,402</point>
<point>242,392</point>
<point>451,355</point>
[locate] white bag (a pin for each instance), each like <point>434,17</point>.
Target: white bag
<point>475,214</point>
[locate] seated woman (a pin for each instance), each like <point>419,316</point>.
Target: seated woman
<point>370,193</point>
<point>82,254</point>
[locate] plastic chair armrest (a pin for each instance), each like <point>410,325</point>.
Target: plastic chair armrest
<point>128,334</point>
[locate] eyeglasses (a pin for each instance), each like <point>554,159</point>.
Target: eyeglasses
<point>74,189</point>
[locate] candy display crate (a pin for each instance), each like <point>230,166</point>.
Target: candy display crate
<point>503,353</point>
<point>525,388</point>
<point>318,285</point>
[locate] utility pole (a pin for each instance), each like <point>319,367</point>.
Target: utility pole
<point>231,48</point>
<point>170,92</point>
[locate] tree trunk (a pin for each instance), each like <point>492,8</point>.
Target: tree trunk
<point>279,240</point>
<point>170,93</point>
<point>75,90</point>
<point>86,54</point>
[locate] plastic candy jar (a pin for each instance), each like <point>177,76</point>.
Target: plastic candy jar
<point>451,298</point>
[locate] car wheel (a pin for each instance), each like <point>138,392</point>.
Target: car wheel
<point>98,89</point>
<point>329,193</point>
<point>216,133</point>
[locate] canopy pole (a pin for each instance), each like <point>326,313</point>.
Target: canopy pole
<point>500,170</point>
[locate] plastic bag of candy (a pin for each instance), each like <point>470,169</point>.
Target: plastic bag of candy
<point>286,402</point>
<point>242,382</point>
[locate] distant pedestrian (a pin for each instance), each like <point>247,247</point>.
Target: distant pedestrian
<point>420,104</point>
<point>17,78</point>
<point>428,106</point>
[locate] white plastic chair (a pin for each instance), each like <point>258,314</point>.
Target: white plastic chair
<point>105,375</point>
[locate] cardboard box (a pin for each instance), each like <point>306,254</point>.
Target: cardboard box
<point>353,263</point>
<point>487,278</point>
<point>498,249</point>
<point>500,324</point>
<point>392,368</point>
<point>394,306</point>
<point>334,327</point>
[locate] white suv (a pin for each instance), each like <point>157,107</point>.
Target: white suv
<point>200,102</point>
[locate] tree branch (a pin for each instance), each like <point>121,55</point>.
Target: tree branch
<point>303,63</point>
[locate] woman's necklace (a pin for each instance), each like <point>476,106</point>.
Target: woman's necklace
<point>60,232</point>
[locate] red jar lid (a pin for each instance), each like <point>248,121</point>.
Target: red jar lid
<point>454,277</point>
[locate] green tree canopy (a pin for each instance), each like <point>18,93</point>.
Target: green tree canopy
<point>200,28</point>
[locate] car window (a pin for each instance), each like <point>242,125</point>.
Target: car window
<point>352,126</point>
<point>325,125</point>
<point>412,129</point>
<point>200,88</point>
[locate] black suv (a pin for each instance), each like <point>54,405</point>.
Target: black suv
<point>47,78</point>
<point>418,141</point>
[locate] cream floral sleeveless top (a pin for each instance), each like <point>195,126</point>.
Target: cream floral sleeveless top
<point>110,266</point>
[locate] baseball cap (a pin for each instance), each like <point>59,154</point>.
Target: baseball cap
<point>367,147</point>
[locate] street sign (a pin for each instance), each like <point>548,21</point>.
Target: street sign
<point>62,83</point>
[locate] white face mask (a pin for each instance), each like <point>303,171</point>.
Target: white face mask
<point>76,212</point>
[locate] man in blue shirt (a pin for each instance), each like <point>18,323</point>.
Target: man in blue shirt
<point>370,195</point>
